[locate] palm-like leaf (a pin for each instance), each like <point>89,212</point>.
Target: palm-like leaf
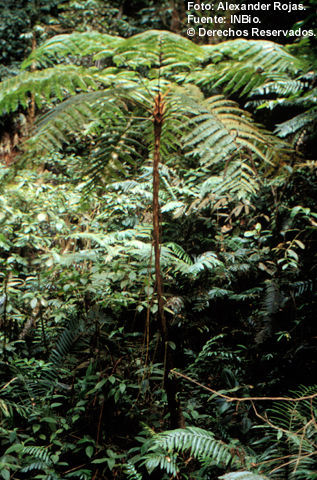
<point>74,45</point>
<point>242,65</point>
<point>162,49</point>
<point>197,442</point>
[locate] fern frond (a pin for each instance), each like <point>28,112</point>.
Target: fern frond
<point>131,472</point>
<point>9,408</point>
<point>74,45</point>
<point>272,298</point>
<point>207,350</point>
<point>34,466</point>
<point>297,123</point>
<point>297,435</point>
<point>242,65</point>
<point>239,181</point>
<point>279,84</point>
<point>40,453</point>
<point>57,82</point>
<point>55,128</point>
<point>191,267</point>
<point>154,48</point>
<point>118,146</point>
<point>242,476</point>
<point>199,443</point>
<point>301,287</point>
<point>64,343</point>
<point>220,130</point>
<point>90,113</point>
<point>180,253</point>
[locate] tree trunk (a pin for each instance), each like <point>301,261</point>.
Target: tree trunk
<point>170,386</point>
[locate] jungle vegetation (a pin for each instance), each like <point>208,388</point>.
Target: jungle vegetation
<point>157,248</point>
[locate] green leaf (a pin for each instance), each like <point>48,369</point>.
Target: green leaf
<point>49,420</point>
<point>36,427</point>
<point>89,451</point>
<point>101,460</point>
<point>33,302</point>
<point>5,474</point>
<point>111,463</point>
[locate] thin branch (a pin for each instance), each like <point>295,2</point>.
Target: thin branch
<point>7,384</point>
<point>292,461</point>
<point>242,399</point>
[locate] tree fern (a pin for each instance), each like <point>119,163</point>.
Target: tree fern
<point>218,133</point>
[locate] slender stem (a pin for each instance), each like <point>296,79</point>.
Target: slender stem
<point>158,122</point>
<point>243,399</point>
<point>176,418</point>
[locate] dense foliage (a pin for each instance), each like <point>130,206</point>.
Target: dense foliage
<point>97,380</point>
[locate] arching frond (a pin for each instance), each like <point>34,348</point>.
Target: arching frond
<point>56,82</point>
<point>91,113</point>
<point>154,48</point>
<point>54,128</point>
<point>242,65</point>
<point>296,124</point>
<point>221,131</point>
<point>239,181</point>
<point>180,253</point>
<point>279,84</point>
<point>116,149</point>
<point>75,45</point>
<point>197,442</point>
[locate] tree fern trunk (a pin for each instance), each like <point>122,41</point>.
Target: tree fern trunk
<point>176,417</point>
